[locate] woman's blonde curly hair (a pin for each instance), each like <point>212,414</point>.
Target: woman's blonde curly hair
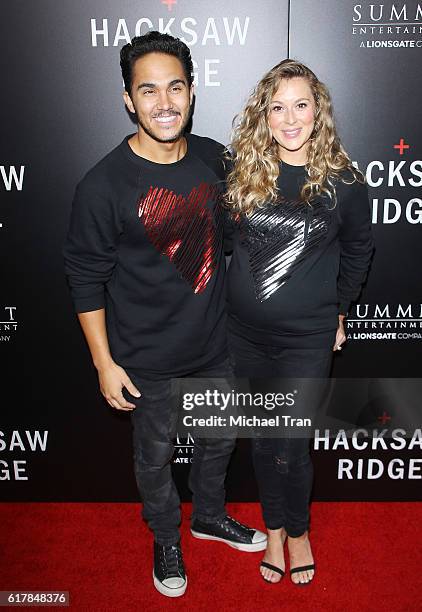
<point>252,181</point>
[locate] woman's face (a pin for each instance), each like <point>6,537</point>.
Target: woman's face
<point>292,119</point>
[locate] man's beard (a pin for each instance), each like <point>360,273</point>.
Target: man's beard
<point>174,138</point>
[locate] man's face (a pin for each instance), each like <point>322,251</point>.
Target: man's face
<point>161,97</point>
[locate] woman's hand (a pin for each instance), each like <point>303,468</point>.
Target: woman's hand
<point>340,335</point>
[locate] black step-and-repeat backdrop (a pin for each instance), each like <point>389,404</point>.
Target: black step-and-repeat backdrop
<point>62,110</point>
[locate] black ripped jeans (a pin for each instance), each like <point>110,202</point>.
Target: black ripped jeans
<point>283,466</point>
<point>154,422</point>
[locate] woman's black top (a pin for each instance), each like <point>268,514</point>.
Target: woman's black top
<point>297,266</point>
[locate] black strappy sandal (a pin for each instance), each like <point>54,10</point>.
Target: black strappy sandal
<point>303,568</point>
<point>273,568</point>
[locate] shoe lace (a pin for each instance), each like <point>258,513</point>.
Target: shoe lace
<point>172,560</point>
<point>232,520</point>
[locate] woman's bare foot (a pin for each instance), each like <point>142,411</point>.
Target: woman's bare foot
<point>274,554</point>
<point>300,554</point>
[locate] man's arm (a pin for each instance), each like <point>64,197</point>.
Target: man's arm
<point>112,377</point>
<point>90,255</point>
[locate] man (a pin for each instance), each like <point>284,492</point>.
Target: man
<point>145,265</point>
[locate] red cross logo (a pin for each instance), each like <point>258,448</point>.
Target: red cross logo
<point>384,418</point>
<point>169,3</point>
<point>401,146</point>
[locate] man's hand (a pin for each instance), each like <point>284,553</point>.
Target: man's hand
<point>111,376</point>
<point>112,379</point>
<point>340,335</point>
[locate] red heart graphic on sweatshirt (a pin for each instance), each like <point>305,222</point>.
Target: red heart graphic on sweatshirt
<point>185,230</point>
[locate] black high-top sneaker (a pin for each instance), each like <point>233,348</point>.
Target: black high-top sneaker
<point>169,572</point>
<point>231,532</point>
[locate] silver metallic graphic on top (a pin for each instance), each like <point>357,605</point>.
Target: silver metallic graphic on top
<point>279,237</point>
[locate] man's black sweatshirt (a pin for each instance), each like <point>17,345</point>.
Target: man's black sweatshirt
<point>297,266</point>
<point>145,243</point>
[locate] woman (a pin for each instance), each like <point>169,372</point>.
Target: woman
<point>302,248</point>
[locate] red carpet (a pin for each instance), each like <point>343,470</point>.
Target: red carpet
<point>368,554</point>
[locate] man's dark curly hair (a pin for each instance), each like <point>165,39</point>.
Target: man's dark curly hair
<point>153,42</point>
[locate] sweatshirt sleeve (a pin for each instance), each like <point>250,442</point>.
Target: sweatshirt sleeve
<point>90,250</point>
<point>356,244</point>
<point>229,229</point>
<point>229,223</point>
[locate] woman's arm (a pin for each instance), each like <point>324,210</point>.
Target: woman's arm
<point>356,243</point>
<point>356,249</point>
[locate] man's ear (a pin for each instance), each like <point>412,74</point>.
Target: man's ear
<point>128,102</point>
<point>191,93</point>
